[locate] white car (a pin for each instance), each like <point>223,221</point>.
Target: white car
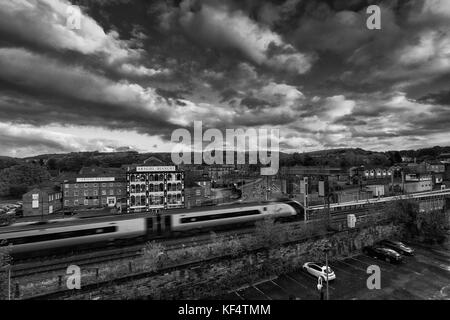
<point>319,270</point>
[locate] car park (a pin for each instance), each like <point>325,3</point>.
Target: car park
<point>383,253</point>
<point>319,270</point>
<point>398,246</point>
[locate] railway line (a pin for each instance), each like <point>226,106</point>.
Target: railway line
<point>363,211</point>
<point>38,266</point>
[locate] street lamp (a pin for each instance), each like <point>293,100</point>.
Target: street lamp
<point>327,248</point>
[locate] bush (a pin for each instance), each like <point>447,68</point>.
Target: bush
<point>426,225</point>
<point>5,260</point>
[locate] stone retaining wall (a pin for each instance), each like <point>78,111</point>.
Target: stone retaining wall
<point>213,278</point>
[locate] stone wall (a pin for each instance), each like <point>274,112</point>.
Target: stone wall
<point>218,276</point>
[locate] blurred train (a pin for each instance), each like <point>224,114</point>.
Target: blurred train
<point>52,236</point>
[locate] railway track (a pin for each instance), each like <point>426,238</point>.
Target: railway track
<point>92,258</point>
<point>102,256</point>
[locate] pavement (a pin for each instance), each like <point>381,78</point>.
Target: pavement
<point>424,276</point>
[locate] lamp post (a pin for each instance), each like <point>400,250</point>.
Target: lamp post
<point>326,249</point>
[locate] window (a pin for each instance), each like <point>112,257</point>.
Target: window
<point>95,192</point>
<point>103,192</point>
<point>75,193</point>
<point>111,192</point>
<point>66,185</point>
<point>75,202</point>
<point>111,184</point>
<point>96,202</point>
<point>66,193</point>
<point>119,191</point>
<point>85,185</point>
<point>86,202</point>
<point>62,235</point>
<point>197,192</point>
<point>95,185</point>
<point>219,216</point>
<point>103,185</point>
<point>35,203</point>
<point>76,185</point>
<point>103,201</point>
<point>86,193</point>
<point>66,203</point>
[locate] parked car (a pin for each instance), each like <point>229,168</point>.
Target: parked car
<point>397,246</point>
<point>383,253</point>
<point>319,270</point>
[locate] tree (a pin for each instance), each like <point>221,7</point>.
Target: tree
<point>5,262</point>
<point>152,255</point>
<point>269,233</point>
<point>429,226</point>
<point>51,164</point>
<point>26,174</point>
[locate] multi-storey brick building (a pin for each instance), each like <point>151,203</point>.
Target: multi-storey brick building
<point>41,201</point>
<point>153,188</point>
<point>88,192</point>
<point>195,195</point>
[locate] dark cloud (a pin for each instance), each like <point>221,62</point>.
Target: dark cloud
<point>442,97</point>
<point>311,68</point>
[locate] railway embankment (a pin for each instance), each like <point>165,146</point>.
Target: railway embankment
<point>224,264</point>
<point>216,268</point>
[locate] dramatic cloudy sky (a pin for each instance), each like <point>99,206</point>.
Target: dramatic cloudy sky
<point>137,70</point>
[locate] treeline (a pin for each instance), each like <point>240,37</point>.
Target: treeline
<point>341,158</point>
<point>73,162</point>
<point>16,180</point>
<point>426,153</point>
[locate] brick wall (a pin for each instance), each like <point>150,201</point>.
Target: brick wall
<point>217,276</point>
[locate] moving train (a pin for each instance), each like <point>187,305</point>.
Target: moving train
<point>51,236</point>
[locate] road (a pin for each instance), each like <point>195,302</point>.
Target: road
<point>421,277</point>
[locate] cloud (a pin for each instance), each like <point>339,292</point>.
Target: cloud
<point>23,140</point>
<point>442,98</point>
<point>219,27</point>
<point>79,96</point>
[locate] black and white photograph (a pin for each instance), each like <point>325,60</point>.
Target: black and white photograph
<point>225,155</point>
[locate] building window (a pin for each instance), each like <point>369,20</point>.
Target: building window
<point>75,193</point>
<point>103,201</point>
<point>119,191</point>
<point>103,185</point>
<point>66,185</point>
<point>86,202</point>
<point>103,192</point>
<point>76,185</point>
<point>96,202</point>
<point>111,184</point>
<point>197,192</point>
<point>95,192</point>
<point>66,193</point>
<point>75,202</point>
<point>95,185</point>
<point>111,192</point>
<point>66,203</point>
<point>86,193</point>
<point>85,185</point>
